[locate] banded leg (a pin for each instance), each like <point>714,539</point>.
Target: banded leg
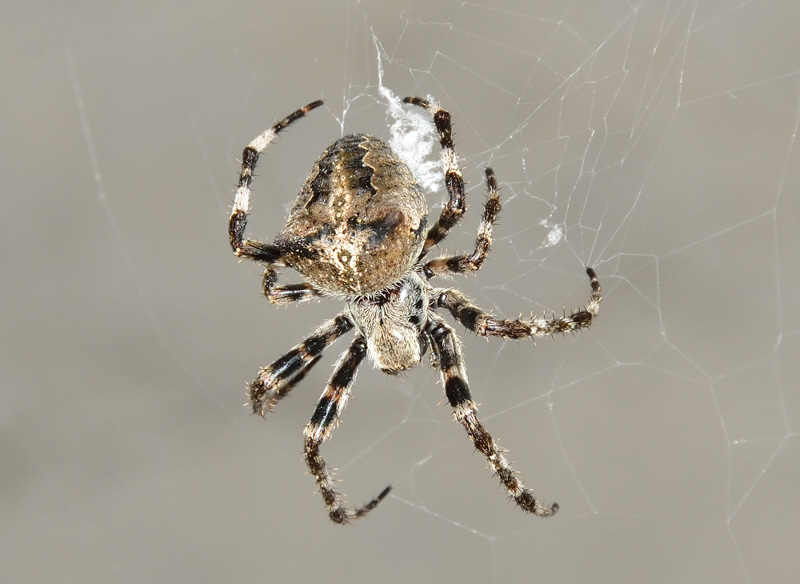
<point>325,418</point>
<point>249,248</point>
<point>454,377</point>
<point>275,381</point>
<point>472,263</point>
<point>456,205</point>
<point>281,295</point>
<point>484,324</point>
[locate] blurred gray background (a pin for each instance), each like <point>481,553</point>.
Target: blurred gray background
<point>656,141</point>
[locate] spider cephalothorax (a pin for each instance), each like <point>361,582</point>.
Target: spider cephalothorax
<point>358,230</point>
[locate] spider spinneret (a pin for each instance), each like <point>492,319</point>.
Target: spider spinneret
<point>359,231</point>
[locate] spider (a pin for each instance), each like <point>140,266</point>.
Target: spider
<point>358,231</point>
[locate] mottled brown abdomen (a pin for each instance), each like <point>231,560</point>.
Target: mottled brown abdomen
<point>359,222</point>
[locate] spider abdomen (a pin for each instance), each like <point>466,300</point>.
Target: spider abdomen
<point>358,224</point>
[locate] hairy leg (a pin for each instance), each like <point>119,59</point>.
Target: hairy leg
<point>451,364</point>
<point>275,381</point>
<point>326,417</point>
<point>460,264</point>
<point>486,325</point>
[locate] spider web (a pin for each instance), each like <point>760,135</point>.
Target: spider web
<point>654,141</point>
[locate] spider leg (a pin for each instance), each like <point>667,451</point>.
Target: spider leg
<point>454,377</point>
<point>275,381</point>
<point>326,417</point>
<point>249,248</point>
<point>287,294</point>
<point>460,264</point>
<point>484,324</point>
<point>456,205</point>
